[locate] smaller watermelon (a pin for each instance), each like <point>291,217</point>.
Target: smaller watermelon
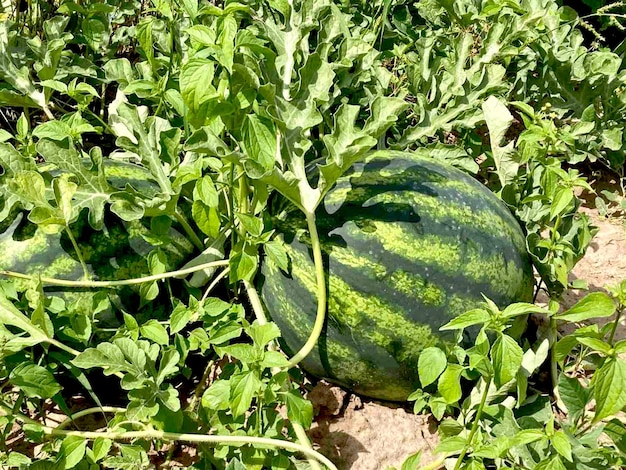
<point>117,252</point>
<point>408,244</point>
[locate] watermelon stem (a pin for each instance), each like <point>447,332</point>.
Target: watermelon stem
<point>79,254</point>
<point>259,312</point>
<point>89,411</point>
<point>217,279</point>
<point>193,237</point>
<point>255,301</point>
<point>235,441</point>
<point>477,421</point>
<point>554,369</point>
<point>123,282</point>
<point>62,346</point>
<point>321,293</point>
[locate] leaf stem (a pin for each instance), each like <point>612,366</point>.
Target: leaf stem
<point>217,279</point>
<point>124,282</point>
<point>193,236</point>
<point>79,254</point>
<point>614,327</point>
<point>201,386</point>
<point>554,370</point>
<point>89,411</point>
<point>235,441</point>
<point>433,465</point>
<point>321,293</point>
<point>259,312</point>
<point>479,413</point>
<point>62,346</point>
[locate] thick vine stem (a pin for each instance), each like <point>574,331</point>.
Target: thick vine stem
<point>89,411</point>
<point>235,441</point>
<point>171,436</point>
<point>259,312</point>
<point>180,218</point>
<point>321,293</point>
<point>479,413</point>
<point>124,282</point>
<point>255,301</point>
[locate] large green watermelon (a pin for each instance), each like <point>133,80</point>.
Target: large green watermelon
<point>117,252</point>
<point>408,243</point>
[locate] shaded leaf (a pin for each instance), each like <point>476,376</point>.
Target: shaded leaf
<point>431,363</point>
<point>34,380</point>
<point>594,305</point>
<point>299,410</point>
<point>507,357</point>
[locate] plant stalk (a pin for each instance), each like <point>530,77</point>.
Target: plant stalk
<point>89,411</point>
<point>614,327</point>
<point>554,370</point>
<point>321,293</point>
<point>201,386</point>
<point>79,254</point>
<point>479,413</point>
<point>235,441</point>
<point>180,218</point>
<point>124,282</point>
<point>433,465</point>
<point>62,346</point>
<point>255,301</point>
<point>259,312</point>
<point>217,279</point>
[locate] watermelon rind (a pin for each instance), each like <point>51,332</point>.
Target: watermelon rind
<point>408,243</point>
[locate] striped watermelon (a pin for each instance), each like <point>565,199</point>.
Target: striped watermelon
<point>408,244</point>
<point>118,252</point>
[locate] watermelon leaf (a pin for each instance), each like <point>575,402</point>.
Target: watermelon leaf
<point>93,190</point>
<point>299,410</point>
<point>498,119</point>
<point>34,380</point>
<point>507,357</point>
<point>11,316</point>
<point>431,363</point>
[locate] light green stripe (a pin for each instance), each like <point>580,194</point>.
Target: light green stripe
<point>415,286</point>
<point>410,284</point>
<point>446,210</point>
<point>439,254</point>
<point>353,308</point>
<point>346,363</point>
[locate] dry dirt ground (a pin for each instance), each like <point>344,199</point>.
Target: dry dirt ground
<point>359,434</point>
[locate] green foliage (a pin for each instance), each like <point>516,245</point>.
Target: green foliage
<point>504,421</point>
<point>172,129</point>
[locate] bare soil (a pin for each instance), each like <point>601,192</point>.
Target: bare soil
<point>357,434</point>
